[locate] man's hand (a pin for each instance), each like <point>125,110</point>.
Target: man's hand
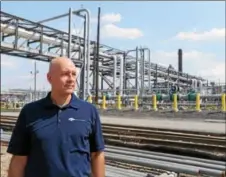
<point>17,166</point>
<point>98,164</point>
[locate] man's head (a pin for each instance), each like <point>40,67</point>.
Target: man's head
<point>62,75</point>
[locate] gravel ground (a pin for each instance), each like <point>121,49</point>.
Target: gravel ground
<point>5,159</point>
<point>165,114</point>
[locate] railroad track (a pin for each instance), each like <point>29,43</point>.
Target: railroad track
<point>145,163</point>
<point>205,145</point>
<point>201,144</point>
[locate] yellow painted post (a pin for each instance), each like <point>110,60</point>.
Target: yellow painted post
<point>154,102</point>
<point>223,99</point>
<point>90,99</point>
<point>198,109</point>
<point>136,102</point>
<point>175,108</point>
<point>104,102</point>
<point>119,107</point>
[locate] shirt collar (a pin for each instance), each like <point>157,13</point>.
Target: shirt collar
<point>74,102</point>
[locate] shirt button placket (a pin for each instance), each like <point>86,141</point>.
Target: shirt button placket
<point>58,116</point>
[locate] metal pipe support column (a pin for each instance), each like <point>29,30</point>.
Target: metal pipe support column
<point>137,72</point>
<point>121,76</point>
<point>114,75</point>
<point>69,33</point>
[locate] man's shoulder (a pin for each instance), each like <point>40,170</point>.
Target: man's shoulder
<point>31,106</point>
<point>88,107</point>
<point>85,104</point>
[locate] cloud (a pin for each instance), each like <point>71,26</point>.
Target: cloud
<point>211,35</point>
<point>113,31</point>
<point>76,31</point>
<point>26,77</point>
<point>206,65</point>
<point>108,18</point>
<point>109,29</point>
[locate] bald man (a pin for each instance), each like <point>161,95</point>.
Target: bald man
<point>59,135</point>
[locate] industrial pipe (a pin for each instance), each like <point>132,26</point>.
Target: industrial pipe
<point>104,102</point>
<point>90,99</point>
<point>136,102</point>
<point>223,102</point>
<point>119,102</point>
<point>154,102</point>
<point>178,168</point>
<point>198,109</point>
<point>175,107</point>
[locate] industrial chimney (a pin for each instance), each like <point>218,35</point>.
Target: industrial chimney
<point>180,62</point>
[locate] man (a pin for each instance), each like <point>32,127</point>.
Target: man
<point>60,135</point>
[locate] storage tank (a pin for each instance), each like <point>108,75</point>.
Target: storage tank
<point>192,96</point>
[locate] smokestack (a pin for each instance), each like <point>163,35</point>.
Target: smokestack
<point>180,62</point>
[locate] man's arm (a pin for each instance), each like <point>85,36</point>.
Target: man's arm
<point>17,166</point>
<point>19,147</point>
<point>97,147</point>
<point>98,164</point>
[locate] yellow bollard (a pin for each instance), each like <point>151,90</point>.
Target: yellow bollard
<point>90,99</point>
<point>119,107</point>
<point>136,102</point>
<point>104,102</point>
<point>154,102</point>
<point>198,109</point>
<point>223,99</point>
<point>175,108</point>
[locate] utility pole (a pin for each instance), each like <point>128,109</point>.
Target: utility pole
<point>97,56</point>
<point>34,73</point>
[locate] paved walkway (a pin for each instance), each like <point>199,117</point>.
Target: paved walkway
<point>216,127</point>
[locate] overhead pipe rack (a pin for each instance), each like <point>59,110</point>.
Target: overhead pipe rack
<point>118,70</point>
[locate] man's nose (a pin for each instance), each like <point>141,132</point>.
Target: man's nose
<point>71,77</point>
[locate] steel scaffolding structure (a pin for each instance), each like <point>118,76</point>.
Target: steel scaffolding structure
<point>120,72</point>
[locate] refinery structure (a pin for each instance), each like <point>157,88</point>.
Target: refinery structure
<point>103,69</point>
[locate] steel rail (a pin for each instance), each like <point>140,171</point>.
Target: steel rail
<point>178,168</point>
<point>176,165</point>
<point>173,156</point>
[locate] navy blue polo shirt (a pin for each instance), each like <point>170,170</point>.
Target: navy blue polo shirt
<point>58,141</point>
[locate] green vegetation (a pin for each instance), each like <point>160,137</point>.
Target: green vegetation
<point>9,110</point>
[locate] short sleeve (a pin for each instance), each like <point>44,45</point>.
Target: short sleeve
<point>20,142</point>
<point>96,138</point>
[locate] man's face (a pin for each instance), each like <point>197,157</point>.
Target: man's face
<point>63,78</point>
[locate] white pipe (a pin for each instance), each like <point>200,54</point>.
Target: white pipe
<point>26,49</point>
<point>8,29</point>
<point>121,76</point>
<point>114,75</point>
<point>22,33</point>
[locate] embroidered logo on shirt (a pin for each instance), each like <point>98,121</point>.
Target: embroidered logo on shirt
<point>71,119</point>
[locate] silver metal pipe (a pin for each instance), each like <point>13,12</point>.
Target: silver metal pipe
<point>114,75</point>
<point>137,75</point>
<point>168,159</point>
<point>167,155</point>
<point>142,72</point>
<point>84,62</point>
<point>149,69</point>
<point>87,67</point>
<point>121,76</point>
<point>178,168</point>
<point>53,18</point>
<point>69,32</point>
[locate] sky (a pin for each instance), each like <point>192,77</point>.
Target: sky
<point>198,28</point>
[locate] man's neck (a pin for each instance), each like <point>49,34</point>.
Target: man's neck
<point>60,100</point>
